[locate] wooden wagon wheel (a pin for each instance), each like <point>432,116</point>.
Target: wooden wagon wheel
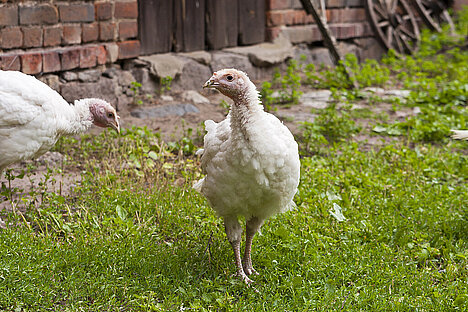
<point>434,13</point>
<point>394,24</point>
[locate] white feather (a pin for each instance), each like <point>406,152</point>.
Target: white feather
<point>460,134</point>
<point>33,117</point>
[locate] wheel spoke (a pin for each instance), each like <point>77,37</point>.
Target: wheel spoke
<point>394,6</point>
<point>383,24</point>
<point>407,32</point>
<point>398,41</point>
<point>383,13</point>
<point>389,36</point>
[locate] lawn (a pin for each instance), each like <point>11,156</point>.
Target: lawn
<point>375,229</point>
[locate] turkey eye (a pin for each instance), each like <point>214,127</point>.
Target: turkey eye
<point>110,115</point>
<point>229,78</point>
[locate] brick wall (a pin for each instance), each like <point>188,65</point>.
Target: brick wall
<point>50,36</point>
<point>347,19</point>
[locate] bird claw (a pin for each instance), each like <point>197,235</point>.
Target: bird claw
<point>250,271</point>
<point>244,278</point>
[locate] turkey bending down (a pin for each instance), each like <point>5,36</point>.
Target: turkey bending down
<point>251,163</point>
<point>460,134</point>
<point>33,117</point>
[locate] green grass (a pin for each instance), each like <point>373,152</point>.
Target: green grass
<point>134,236</point>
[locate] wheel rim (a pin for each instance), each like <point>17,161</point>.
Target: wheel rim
<point>394,24</point>
<point>434,13</point>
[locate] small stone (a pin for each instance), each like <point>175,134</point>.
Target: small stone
<point>194,97</point>
<point>267,53</point>
<point>51,159</point>
<point>166,98</point>
<point>201,57</point>
<point>316,99</point>
<point>92,75</point>
<point>69,76</point>
<point>52,81</point>
<point>398,93</point>
<point>164,65</point>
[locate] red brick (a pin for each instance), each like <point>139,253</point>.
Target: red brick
<point>11,38</point>
<point>103,11</point>
<point>299,17</point>
<point>10,62</point>
<point>278,4</point>
<point>101,55</point>
<point>107,31</point>
<point>126,9</point>
<point>52,36</point>
<point>275,18</point>
<point>31,63</point>
<point>336,3</point>
<point>87,57</point>
<point>346,15</point>
<point>78,12</point>
<point>50,61</point>
<point>90,32</point>
<point>70,58</point>
<point>8,16</point>
<point>71,34</point>
<point>38,14</point>
<point>32,37</point>
<point>128,30</point>
<point>129,49</point>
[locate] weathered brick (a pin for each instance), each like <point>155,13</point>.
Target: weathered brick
<point>101,55</point>
<point>70,58</point>
<point>129,49</point>
<point>11,37</point>
<point>31,63</point>
<point>348,15</point>
<point>52,36</point>
<point>275,18</point>
<point>336,3</point>
<point>8,15</point>
<point>77,12</point>
<point>50,61</point>
<point>103,11</point>
<point>32,37</point>
<point>112,52</point>
<point>303,33</point>
<point>90,32</point>
<point>126,9</point>
<point>107,31</point>
<point>278,4</point>
<point>38,14</point>
<point>10,62</point>
<point>88,57</point>
<point>128,30</point>
<point>71,34</point>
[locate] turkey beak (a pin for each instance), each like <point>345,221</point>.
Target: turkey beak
<point>211,83</point>
<point>116,125</point>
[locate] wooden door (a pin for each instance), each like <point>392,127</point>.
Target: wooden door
<point>155,26</point>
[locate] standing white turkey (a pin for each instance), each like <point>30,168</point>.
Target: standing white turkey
<point>460,134</point>
<point>251,163</point>
<point>33,117</point>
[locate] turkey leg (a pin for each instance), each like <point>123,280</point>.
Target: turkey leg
<point>234,235</point>
<point>252,226</point>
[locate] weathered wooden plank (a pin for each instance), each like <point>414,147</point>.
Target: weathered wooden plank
<point>155,25</point>
<point>221,23</point>
<point>189,18</point>
<point>251,21</point>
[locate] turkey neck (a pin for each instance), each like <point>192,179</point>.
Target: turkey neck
<point>246,105</point>
<point>80,118</point>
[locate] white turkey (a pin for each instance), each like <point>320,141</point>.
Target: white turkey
<point>251,164</point>
<point>33,117</point>
<point>460,134</point>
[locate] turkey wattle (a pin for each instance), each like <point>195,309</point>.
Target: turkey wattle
<point>251,163</point>
<point>33,117</point>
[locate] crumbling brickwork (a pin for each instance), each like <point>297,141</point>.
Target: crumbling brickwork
<point>50,36</point>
